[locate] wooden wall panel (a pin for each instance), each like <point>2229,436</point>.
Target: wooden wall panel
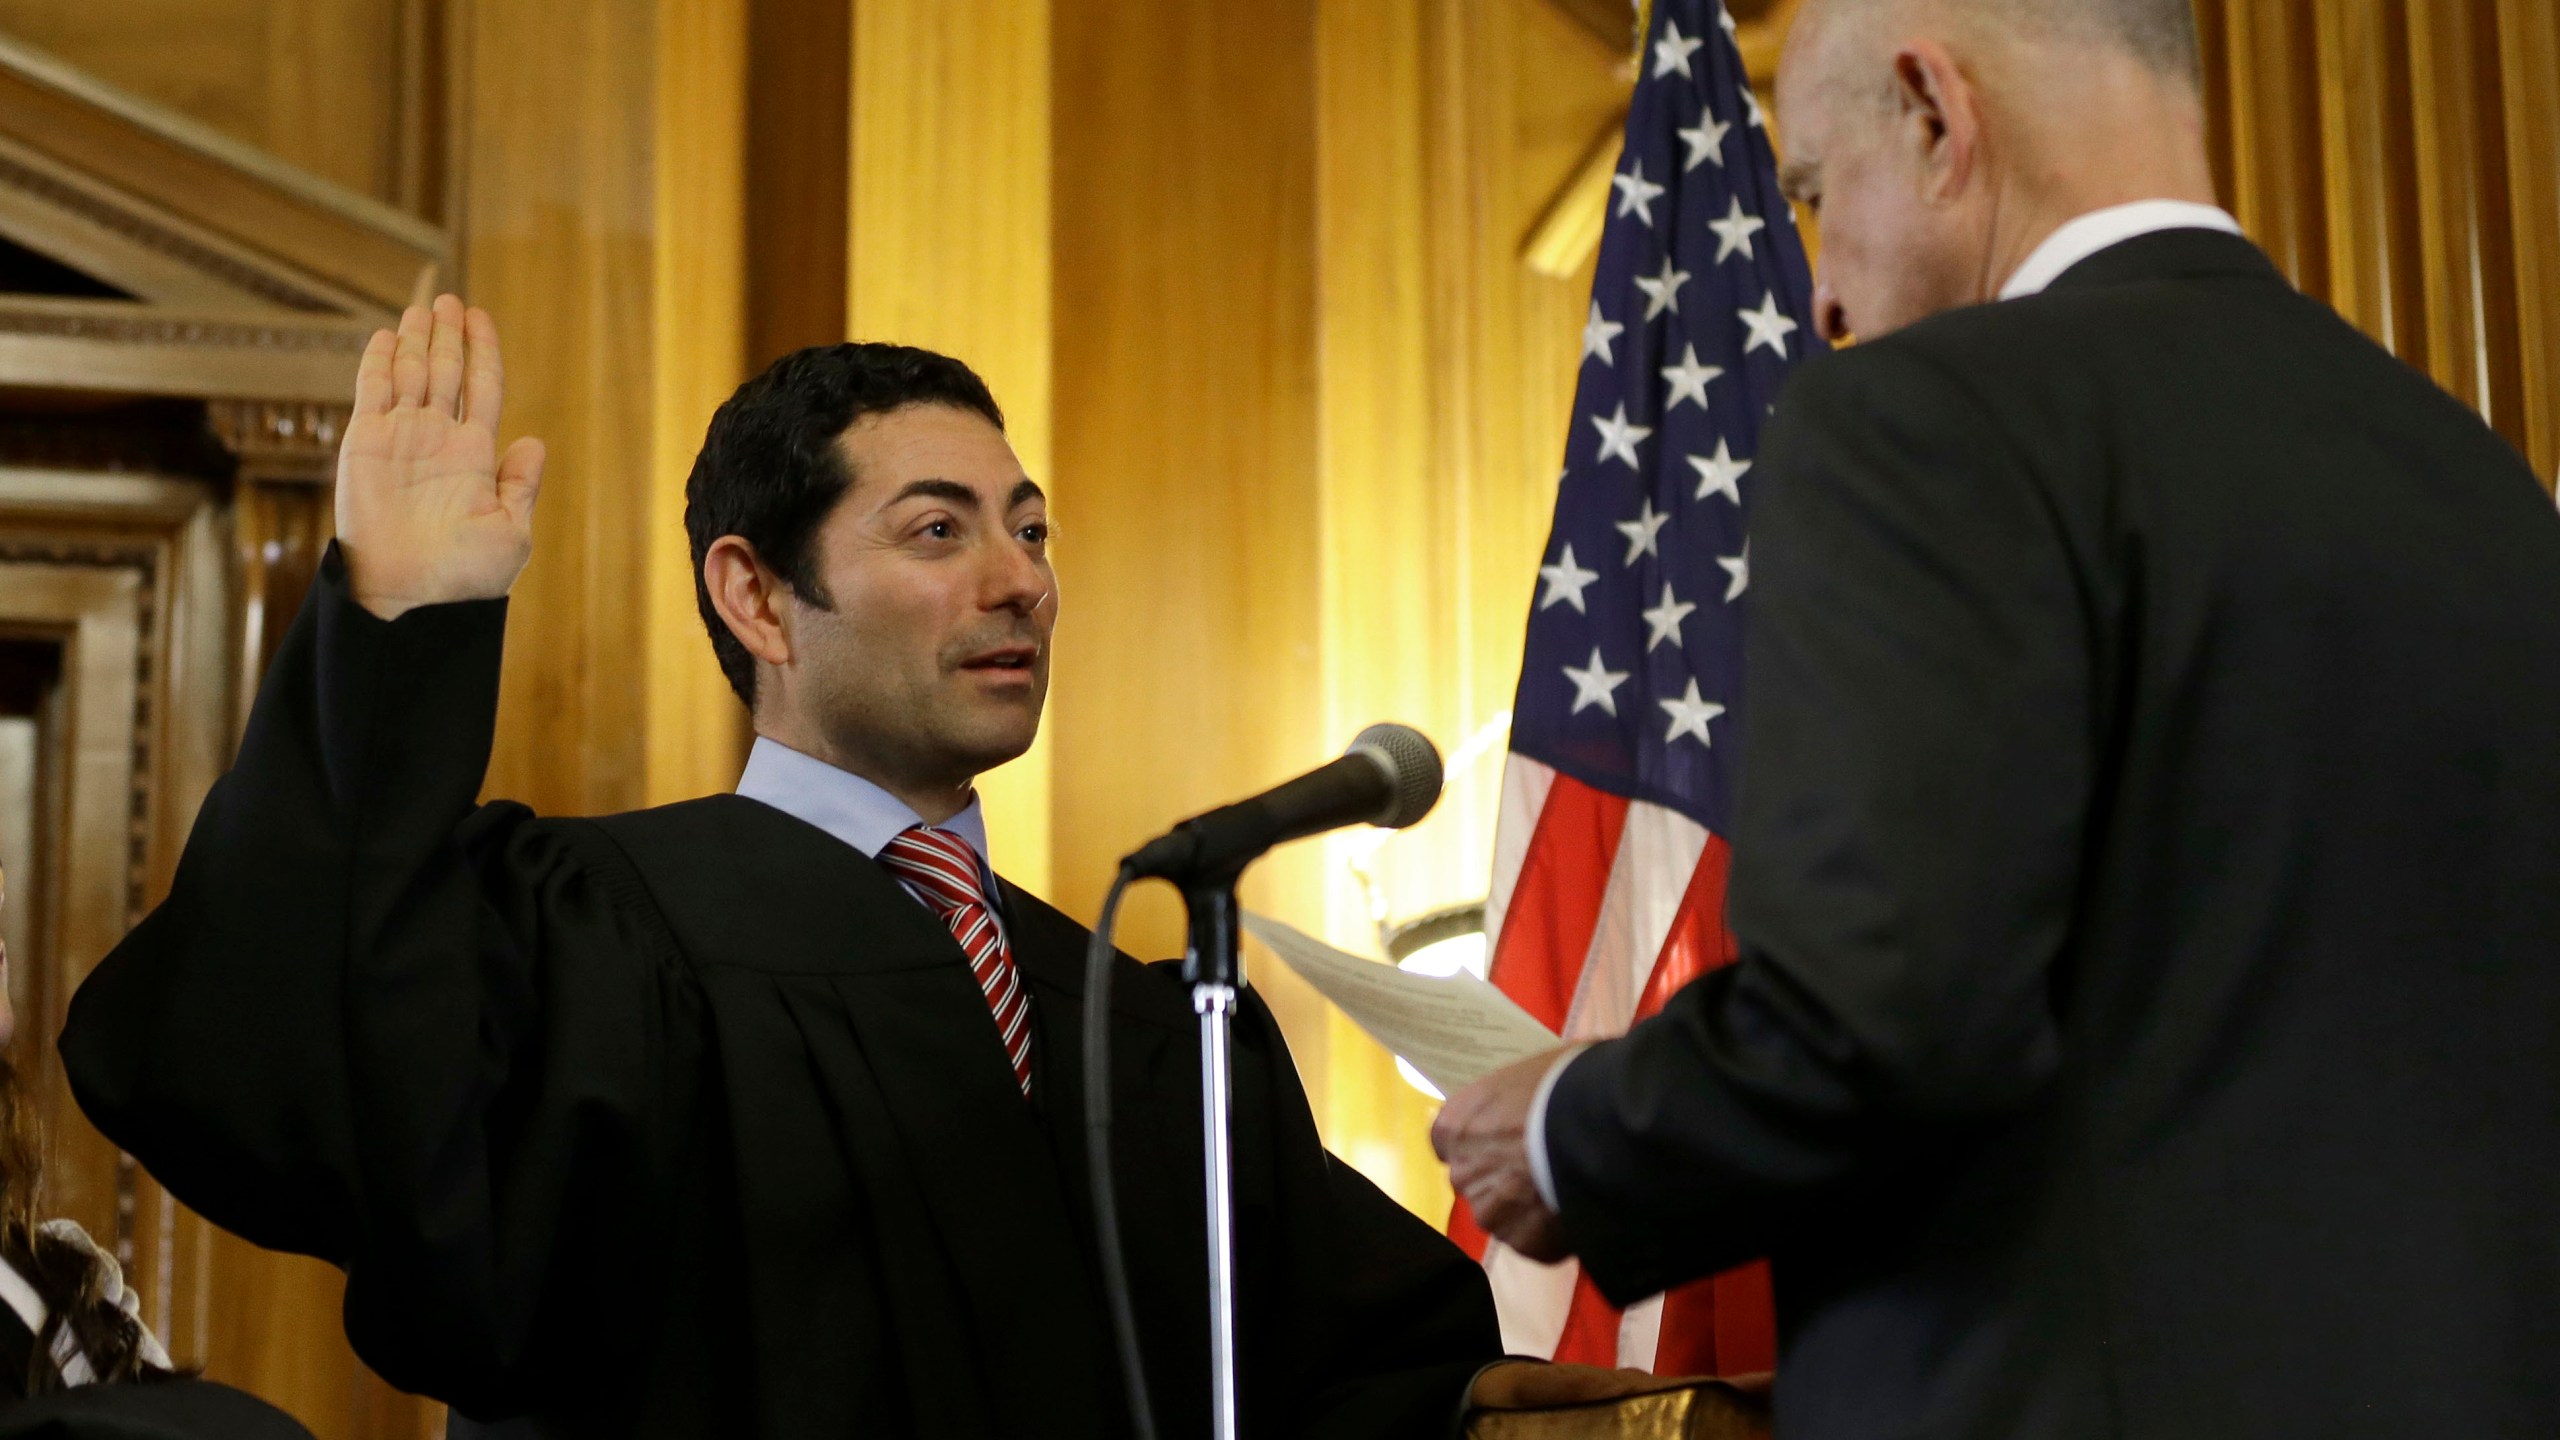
<point>2398,158</point>
<point>275,1328</point>
<point>320,84</point>
<point>560,211</point>
<point>2263,111</point>
<point>1310,404</point>
<point>799,123</point>
<point>1187,668</point>
<point>2466,249</point>
<point>697,731</point>
<point>1446,367</point>
<point>1388,537</point>
<point>949,248</point>
<point>2369,170</point>
<point>2529,74</point>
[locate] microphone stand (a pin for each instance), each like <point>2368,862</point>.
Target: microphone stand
<point>1214,969</point>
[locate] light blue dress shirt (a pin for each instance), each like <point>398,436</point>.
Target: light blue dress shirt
<point>851,808</point>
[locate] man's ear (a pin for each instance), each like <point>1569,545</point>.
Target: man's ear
<point>1939,121</point>
<point>749,597</point>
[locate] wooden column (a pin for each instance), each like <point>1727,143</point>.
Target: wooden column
<point>2369,170</point>
<point>2263,115</point>
<point>2466,248</point>
<point>2529,74</point>
<point>697,729</point>
<point>283,517</point>
<point>1188,661</point>
<point>600,224</point>
<point>948,248</point>
<point>1446,371</point>
<point>799,120</point>
<point>1391,482</point>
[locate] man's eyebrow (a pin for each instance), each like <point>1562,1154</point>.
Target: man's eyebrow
<point>951,490</point>
<point>1798,176</point>
<point>1023,493</point>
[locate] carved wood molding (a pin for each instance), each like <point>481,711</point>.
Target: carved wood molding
<point>143,559</point>
<point>282,517</point>
<point>299,224</point>
<point>152,232</point>
<point>286,440</point>
<point>116,347</point>
<point>152,437</point>
<point>145,328</point>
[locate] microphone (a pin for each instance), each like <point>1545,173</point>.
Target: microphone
<point>1390,776</point>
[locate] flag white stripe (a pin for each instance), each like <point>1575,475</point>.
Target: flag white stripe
<point>1525,786</point>
<point>1640,1334</point>
<point>1657,850</point>
<point>1534,1299</point>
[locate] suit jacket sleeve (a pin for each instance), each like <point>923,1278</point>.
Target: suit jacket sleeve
<point>345,1032</point>
<point>1921,737</point>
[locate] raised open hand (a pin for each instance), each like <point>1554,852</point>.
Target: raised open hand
<point>427,511</point>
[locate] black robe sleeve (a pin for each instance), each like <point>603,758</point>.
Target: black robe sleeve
<point>1413,1321</point>
<point>1920,746</point>
<point>1399,1318</point>
<point>344,1033</point>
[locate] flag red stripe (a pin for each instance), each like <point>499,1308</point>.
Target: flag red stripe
<point>1720,1324</point>
<point>1699,941</point>
<point>1464,1230</point>
<point>1590,1329</point>
<point>1537,960</point>
<point>1690,1340</point>
<point>1746,1324</point>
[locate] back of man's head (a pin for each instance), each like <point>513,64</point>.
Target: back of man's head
<point>1940,140</point>
<point>2161,33</point>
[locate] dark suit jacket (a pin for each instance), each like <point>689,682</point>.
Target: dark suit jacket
<point>690,1122</point>
<point>2147,874</point>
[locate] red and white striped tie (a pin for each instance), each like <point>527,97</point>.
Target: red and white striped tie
<point>940,869</point>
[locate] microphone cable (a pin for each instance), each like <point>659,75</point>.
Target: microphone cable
<point>1097,1140</point>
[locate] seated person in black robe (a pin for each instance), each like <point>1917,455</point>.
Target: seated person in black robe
<point>758,1115</point>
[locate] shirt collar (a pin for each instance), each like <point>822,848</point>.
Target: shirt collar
<point>842,803</point>
<point>2098,230</point>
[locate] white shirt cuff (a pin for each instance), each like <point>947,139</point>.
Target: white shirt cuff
<point>1540,1173</point>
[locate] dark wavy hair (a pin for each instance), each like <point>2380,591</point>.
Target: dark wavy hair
<point>770,469</point>
<point>71,1281</point>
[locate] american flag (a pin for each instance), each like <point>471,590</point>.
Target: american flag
<point>1610,857</point>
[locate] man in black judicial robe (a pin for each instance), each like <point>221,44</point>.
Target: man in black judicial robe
<point>2147,870</point>
<point>694,1121</point>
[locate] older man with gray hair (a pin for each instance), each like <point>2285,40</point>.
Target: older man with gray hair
<point>2147,1020</point>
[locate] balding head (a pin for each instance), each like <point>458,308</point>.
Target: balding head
<point>1941,140</point>
<point>2161,34</point>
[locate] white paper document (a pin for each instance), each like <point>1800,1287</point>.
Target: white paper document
<point>1455,1029</point>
